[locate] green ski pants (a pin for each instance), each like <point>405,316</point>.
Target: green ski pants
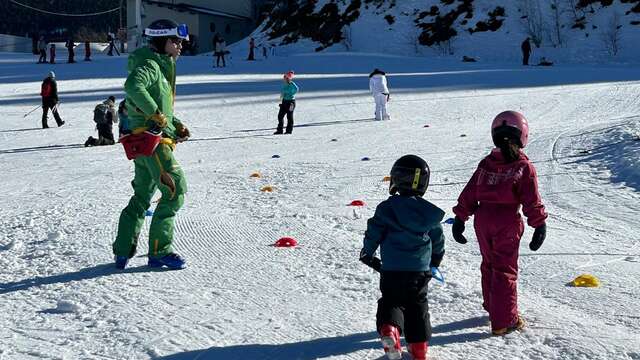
<point>158,171</point>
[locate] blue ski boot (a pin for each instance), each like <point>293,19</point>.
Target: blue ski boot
<point>121,261</point>
<point>173,261</point>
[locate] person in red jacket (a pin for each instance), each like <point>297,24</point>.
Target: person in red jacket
<point>503,181</point>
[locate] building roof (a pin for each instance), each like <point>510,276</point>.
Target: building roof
<point>195,9</point>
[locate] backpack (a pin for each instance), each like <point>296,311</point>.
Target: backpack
<point>46,89</point>
<point>100,113</point>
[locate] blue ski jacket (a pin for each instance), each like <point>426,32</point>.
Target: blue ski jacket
<point>289,91</point>
<point>407,229</point>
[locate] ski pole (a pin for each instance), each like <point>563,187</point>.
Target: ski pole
<point>34,109</point>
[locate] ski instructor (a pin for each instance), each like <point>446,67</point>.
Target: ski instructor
<point>150,139</point>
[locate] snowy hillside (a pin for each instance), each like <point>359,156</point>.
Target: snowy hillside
<point>568,31</point>
<point>240,297</point>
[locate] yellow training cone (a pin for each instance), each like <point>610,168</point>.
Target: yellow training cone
<point>586,280</point>
<point>255,175</point>
<point>267,188</point>
<point>386,179</point>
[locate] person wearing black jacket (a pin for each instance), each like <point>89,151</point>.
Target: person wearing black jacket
<point>49,93</point>
<point>526,51</point>
<point>70,45</point>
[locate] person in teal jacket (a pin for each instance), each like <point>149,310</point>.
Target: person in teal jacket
<point>407,230</point>
<point>288,104</point>
<point>151,125</point>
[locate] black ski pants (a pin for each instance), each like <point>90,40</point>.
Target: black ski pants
<point>404,304</point>
<point>220,56</point>
<point>286,108</point>
<point>43,56</point>
<point>46,105</point>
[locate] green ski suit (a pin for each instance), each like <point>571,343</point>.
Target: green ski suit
<point>150,87</point>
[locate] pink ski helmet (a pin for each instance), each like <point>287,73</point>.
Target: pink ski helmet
<point>289,75</point>
<point>510,124</point>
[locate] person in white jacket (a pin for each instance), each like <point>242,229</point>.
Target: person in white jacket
<point>220,50</point>
<point>380,91</point>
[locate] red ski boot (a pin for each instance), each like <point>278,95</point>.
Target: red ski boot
<point>418,350</point>
<point>390,337</point>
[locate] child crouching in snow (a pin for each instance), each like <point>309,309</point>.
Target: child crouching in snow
<point>407,229</point>
<point>504,180</point>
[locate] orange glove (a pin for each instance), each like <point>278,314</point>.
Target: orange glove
<point>159,119</point>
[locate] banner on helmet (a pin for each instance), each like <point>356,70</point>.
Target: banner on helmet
<point>182,32</point>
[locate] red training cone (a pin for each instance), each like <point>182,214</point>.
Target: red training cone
<point>356,203</point>
<point>286,242</point>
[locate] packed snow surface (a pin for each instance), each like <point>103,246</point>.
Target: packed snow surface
<point>240,297</point>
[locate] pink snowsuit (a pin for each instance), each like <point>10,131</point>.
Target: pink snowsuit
<point>494,195</point>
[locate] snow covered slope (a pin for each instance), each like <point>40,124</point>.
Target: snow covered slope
<point>241,298</point>
<point>487,30</point>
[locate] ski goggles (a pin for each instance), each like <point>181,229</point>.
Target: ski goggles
<point>181,32</point>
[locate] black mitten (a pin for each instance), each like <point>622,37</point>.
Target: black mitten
<point>538,237</point>
<point>371,261</point>
<point>457,229</point>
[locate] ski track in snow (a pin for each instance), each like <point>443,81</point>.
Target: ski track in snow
<point>240,297</point>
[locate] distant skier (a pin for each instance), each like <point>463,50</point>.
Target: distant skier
<point>152,134</point>
<point>380,92</point>
<point>526,51</point>
<point>288,103</point>
<point>49,94</point>
<point>70,45</point>
<point>220,48</point>
<point>52,54</point>
<point>252,47</point>
<point>503,181</point>
<point>104,115</point>
<point>407,229</point>
<point>87,51</point>
<point>42,50</point>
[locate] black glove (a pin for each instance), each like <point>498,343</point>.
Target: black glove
<point>371,261</point>
<point>538,237</point>
<point>457,229</point>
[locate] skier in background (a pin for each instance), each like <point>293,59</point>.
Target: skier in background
<point>70,45</point>
<point>407,229</point>
<point>252,46</point>
<point>104,115</point>
<point>52,54</point>
<point>288,103</point>
<point>380,92</point>
<point>526,51</point>
<point>87,51</point>
<point>42,50</point>
<point>153,133</point>
<point>49,94</point>
<point>220,47</point>
<point>503,181</point>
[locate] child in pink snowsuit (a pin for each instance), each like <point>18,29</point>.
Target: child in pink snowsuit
<point>503,181</point>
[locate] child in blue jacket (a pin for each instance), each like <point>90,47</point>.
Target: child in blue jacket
<point>407,229</point>
<point>288,96</point>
